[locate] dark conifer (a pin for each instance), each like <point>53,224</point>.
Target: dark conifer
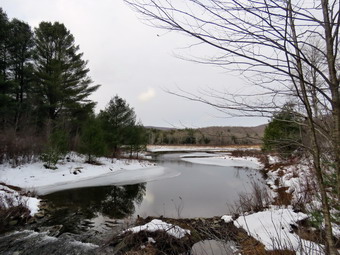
<point>62,77</point>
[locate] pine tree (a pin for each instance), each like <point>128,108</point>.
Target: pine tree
<point>92,140</point>
<point>117,118</point>
<point>21,69</point>
<point>283,133</point>
<point>137,138</point>
<point>5,99</point>
<point>62,77</point>
<point>16,43</point>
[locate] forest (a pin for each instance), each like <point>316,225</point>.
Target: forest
<point>44,99</point>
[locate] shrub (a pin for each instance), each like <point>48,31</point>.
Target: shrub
<point>57,147</point>
<point>92,141</point>
<point>283,133</point>
<point>14,213</point>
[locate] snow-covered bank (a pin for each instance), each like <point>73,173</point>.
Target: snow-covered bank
<point>158,225</point>
<point>223,160</point>
<point>74,173</point>
<point>273,228</point>
<point>174,148</point>
<point>119,177</point>
<point>10,198</point>
<point>298,180</point>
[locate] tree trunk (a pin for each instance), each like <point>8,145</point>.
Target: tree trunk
<point>330,246</point>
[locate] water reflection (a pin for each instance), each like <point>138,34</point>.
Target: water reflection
<point>199,191</point>
<point>115,202</point>
<point>121,200</point>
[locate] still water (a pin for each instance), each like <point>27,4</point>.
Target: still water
<point>198,191</point>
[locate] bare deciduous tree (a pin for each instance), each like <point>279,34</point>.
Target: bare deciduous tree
<point>273,44</point>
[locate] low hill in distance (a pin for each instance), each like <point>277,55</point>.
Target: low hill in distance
<point>218,136</point>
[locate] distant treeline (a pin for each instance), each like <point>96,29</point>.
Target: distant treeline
<point>207,136</point>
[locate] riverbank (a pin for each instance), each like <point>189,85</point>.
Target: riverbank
<point>74,172</point>
<point>281,179</point>
<point>193,148</point>
<point>278,227</point>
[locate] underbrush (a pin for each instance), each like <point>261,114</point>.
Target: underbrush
<point>19,149</point>
<point>159,242</point>
<point>235,240</point>
<point>257,199</point>
<point>291,183</point>
<point>294,183</point>
<point>13,213</point>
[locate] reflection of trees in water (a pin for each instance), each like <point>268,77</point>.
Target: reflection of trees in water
<point>120,202</point>
<point>112,201</point>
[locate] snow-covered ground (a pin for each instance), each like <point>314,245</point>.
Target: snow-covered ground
<point>74,173</point>
<point>300,182</point>
<point>173,148</point>
<point>10,197</point>
<point>293,177</point>
<point>158,225</point>
<point>222,160</point>
<point>273,228</point>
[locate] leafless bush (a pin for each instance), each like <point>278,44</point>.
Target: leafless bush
<point>255,200</point>
<point>178,207</point>
<point>13,211</point>
<point>19,148</point>
<point>308,191</point>
<point>158,242</point>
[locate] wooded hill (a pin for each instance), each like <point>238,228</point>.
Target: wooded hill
<point>207,136</point>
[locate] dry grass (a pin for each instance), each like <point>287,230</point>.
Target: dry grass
<point>254,201</point>
<point>12,215</point>
<point>283,197</point>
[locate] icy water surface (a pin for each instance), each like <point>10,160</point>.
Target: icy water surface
<point>81,221</point>
<point>199,191</point>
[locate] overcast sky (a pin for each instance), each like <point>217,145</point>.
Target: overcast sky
<point>135,61</point>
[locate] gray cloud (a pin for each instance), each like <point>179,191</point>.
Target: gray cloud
<point>127,58</point>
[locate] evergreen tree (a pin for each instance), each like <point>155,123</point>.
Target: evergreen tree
<point>21,69</point>
<point>16,42</point>
<point>117,118</point>
<point>92,140</point>
<point>62,77</point>
<point>283,132</point>
<point>4,42</point>
<point>57,147</point>
<point>5,99</point>
<point>137,138</point>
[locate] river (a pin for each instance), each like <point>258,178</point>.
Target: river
<point>198,191</point>
<point>93,214</point>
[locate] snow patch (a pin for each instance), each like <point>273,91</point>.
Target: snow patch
<point>155,225</point>
<point>273,228</point>
<point>227,160</point>
<point>74,173</point>
<point>10,197</point>
<point>227,218</point>
<point>169,148</point>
